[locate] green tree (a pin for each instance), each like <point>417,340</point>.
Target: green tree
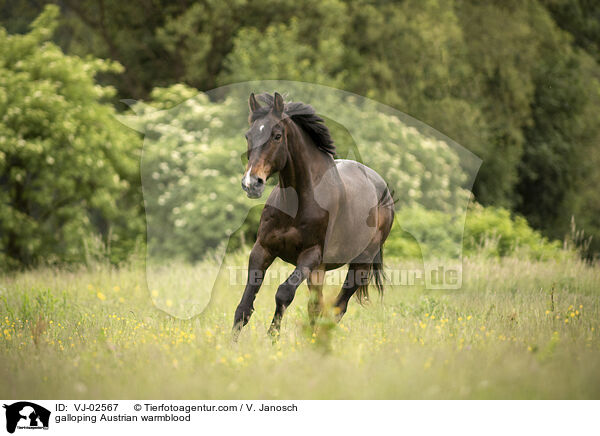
<point>540,95</point>
<point>280,52</point>
<point>581,18</point>
<point>68,169</point>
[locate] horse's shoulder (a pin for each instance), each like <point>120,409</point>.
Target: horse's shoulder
<point>282,200</point>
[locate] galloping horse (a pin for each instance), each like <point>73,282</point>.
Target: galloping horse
<point>323,213</point>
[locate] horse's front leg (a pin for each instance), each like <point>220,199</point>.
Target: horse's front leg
<point>308,260</point>
<point>260,259</point>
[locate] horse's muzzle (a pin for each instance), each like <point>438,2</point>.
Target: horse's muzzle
<point>254,186</point>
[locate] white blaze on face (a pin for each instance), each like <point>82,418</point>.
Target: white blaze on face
<point>246,179</point>
<point>261,128</point>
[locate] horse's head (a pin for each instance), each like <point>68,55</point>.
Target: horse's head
<point>267,144</point>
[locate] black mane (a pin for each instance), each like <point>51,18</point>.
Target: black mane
<point>305,117</point>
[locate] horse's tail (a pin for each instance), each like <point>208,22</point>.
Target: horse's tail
<point>376,271</point>
<point>375,274</point>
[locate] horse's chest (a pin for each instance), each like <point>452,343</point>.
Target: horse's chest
<point>284,242</point>
<point>287,237</point>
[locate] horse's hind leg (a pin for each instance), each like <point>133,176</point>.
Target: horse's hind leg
<point>358,276</point>
<point>315,299</point>
<point>370,262</point>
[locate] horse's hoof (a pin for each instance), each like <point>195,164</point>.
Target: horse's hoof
<point>235,334</point>
<point>273,334</point>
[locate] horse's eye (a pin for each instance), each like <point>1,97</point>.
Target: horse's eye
<point>278,137</point>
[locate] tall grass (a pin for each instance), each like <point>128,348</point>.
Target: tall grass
<point>516,329</point>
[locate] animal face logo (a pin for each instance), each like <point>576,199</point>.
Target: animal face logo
<point>26,415</point>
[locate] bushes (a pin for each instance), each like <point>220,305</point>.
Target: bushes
<point>488,230</point>
<point>430,232</point>
<point>493,231</point>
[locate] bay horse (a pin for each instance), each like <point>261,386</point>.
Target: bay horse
<point>323,213</point>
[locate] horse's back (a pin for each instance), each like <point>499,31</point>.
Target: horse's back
<point>353,172</point>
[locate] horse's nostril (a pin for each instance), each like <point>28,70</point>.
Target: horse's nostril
<point>259,181</point>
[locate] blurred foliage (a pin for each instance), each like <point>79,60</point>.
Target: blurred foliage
<point>67,167</point>
<point>496,233</point>
<point>581,18</point>
<point>516,82</point>
<point>488,231</point>
<point>190,186</point>
<point>279,52</point>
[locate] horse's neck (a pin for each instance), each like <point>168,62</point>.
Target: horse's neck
<point>306,164</point>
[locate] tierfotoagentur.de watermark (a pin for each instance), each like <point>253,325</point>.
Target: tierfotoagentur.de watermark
<point>440,278</point>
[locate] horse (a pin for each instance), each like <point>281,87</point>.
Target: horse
<point>322,214</point>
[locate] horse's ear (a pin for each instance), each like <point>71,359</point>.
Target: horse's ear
<point>278,105</point>
<point>253,103</point>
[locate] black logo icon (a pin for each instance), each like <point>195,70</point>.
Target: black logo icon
<point>24,414</point>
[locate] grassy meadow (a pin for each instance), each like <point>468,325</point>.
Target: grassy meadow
<point>518,329</point>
